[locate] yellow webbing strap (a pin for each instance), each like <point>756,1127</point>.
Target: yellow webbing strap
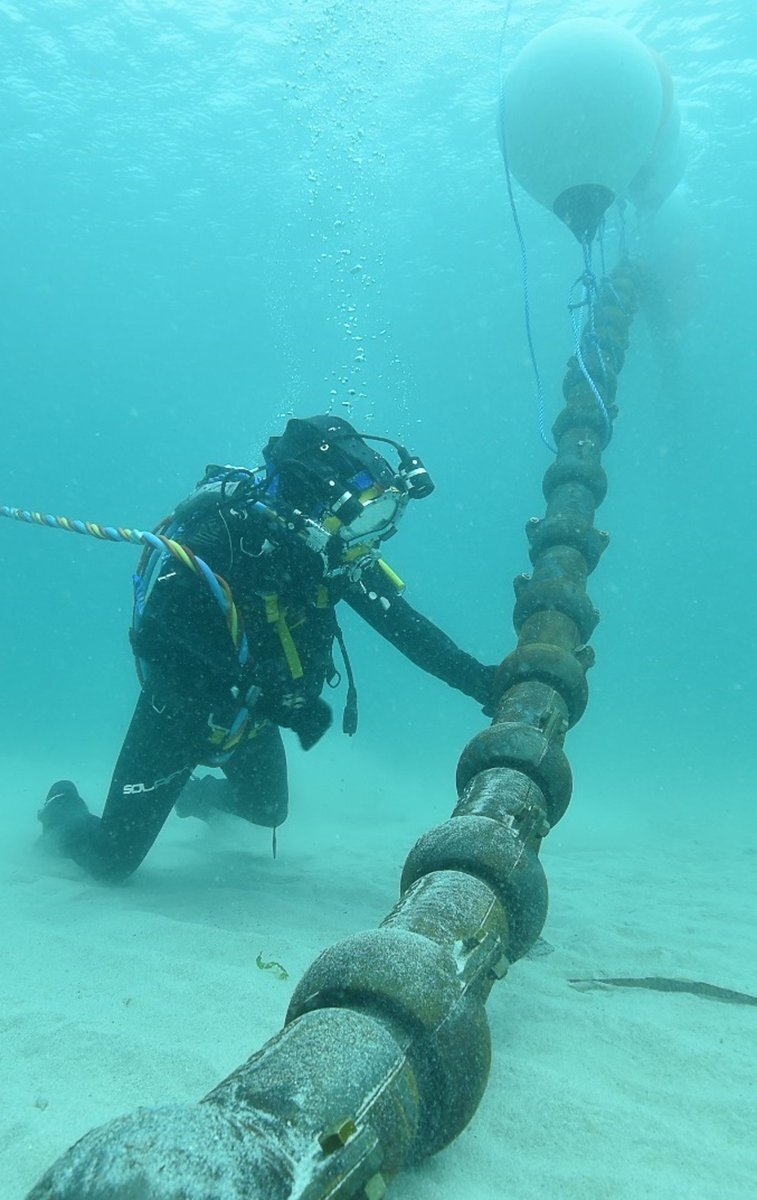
<point>276,615</point>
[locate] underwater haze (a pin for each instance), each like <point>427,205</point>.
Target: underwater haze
<point>217,214</point>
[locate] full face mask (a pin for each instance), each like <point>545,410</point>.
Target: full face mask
<point>346,494</point>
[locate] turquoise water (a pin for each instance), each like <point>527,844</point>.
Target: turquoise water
<point>216,215</point>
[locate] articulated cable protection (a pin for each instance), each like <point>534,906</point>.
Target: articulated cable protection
<point>385,1051</point>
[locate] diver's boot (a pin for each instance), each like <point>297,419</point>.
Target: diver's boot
<point>63,807</point>
<point>196,798</point>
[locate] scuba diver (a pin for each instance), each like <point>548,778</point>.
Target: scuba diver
<point>233,633</point>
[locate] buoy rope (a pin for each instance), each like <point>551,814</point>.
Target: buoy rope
<point>588,335</point>
<point>622,229</point>
<point>601,243</point>
<point>216,584</point>
<point>607,286</point>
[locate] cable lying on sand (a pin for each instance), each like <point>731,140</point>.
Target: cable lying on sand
<point>661,983</point>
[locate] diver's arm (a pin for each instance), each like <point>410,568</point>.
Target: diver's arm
<point>419,639</point>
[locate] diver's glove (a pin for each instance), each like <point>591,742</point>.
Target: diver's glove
<point>311,722</point>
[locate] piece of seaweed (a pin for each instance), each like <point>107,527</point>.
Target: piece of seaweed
<point>661,983</point>
<point>275,967</point>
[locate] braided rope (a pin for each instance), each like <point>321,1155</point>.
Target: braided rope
<point>216,584</point>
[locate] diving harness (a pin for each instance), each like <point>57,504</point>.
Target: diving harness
<point>241,492</point>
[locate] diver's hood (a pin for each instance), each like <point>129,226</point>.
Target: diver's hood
<point>326,483</point>
<point>317,459</point>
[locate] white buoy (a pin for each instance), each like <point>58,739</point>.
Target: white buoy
<point>663,170</point>
<point>580,111</point>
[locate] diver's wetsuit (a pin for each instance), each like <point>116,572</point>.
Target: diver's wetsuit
<point>194,685</point>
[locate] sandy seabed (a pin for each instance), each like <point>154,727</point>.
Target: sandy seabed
<point>148,993</point>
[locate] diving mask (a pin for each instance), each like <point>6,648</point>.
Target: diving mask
<point>366,511</point>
